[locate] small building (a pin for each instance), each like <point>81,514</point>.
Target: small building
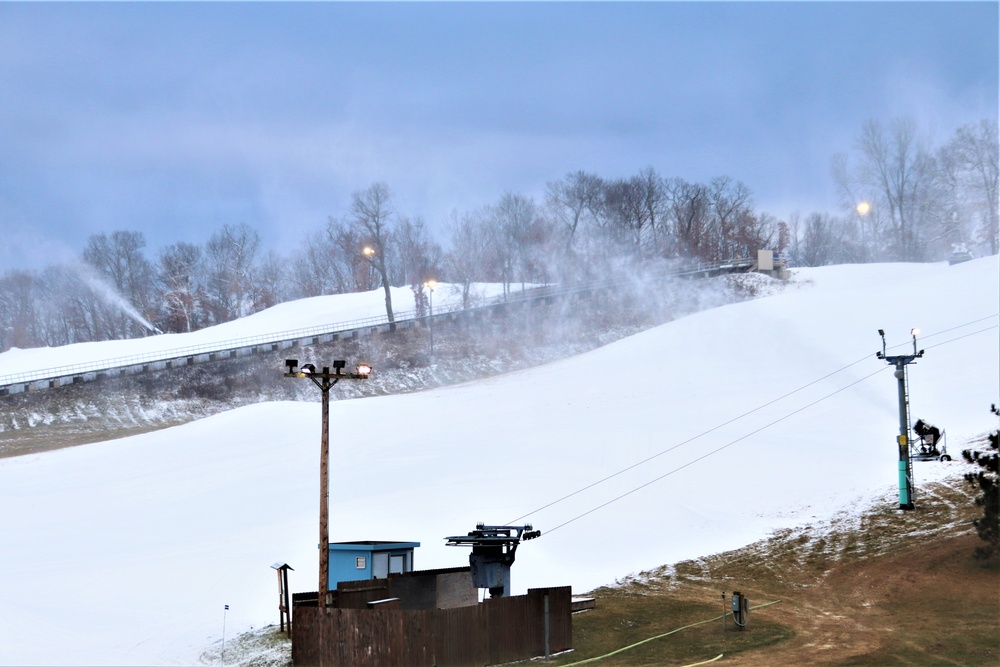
<point>355,561</point>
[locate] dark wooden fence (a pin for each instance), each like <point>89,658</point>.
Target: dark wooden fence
<point>496,631</point>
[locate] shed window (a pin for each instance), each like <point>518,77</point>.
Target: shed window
<point>360,562</point>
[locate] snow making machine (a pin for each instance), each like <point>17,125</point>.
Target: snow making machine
<point>931,443</point>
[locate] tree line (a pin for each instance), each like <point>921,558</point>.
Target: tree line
<point>917,202</point>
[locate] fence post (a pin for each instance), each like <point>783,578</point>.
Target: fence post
<point>546,627</point>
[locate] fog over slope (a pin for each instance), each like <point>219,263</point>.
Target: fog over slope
<point>127,550</point>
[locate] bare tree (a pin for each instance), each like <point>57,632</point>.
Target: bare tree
<point>899,170</point>
<point>420,259</point>
<point>125,284</point>
<point>471,240</point>
<point>269,281</point>
<point>371,219</point>
<point>730,203</point>
<point>690,211</point>
<point>180,274</point>
<point>19,322</point>
<point>318,267</point>
<point>975,151</point>
<point>230,256</point>
<point>517,235</point>
<point>575,201</point>
<point>826,240</point>
<point>629,221</point>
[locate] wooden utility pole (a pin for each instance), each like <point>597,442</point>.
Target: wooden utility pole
<point>325,381</point>
<point>324,495</point>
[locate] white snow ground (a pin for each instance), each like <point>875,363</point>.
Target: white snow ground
<point>318,311</point>
<point>124,552</point>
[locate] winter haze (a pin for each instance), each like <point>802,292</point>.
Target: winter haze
<point>127,550</point>
<point>173,119</point>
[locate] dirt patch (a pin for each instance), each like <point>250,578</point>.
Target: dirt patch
<point>879,587</point>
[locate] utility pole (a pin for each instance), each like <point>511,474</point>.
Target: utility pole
<point>325,380</point>
<point>903,440</point>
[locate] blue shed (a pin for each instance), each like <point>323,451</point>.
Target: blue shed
<point>354,561</point>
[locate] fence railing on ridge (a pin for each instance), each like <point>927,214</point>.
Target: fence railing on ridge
<point>347,326</point>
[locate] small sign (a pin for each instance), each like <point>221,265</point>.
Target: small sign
<point>361,562</point>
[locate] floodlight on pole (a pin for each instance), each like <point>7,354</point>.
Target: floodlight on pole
<point>325,379</point>
<point>903,439</point>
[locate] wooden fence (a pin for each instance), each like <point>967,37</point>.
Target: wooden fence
<point>496,631</point>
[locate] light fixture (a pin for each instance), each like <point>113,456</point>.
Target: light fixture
<point>914,331</point>
<point>308,368</point>
<point>363,370</point>
<point>291,363</point>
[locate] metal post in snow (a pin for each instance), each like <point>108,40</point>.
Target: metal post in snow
<point>224,634</point>
<point>723,611</point>
<point>903,439</point>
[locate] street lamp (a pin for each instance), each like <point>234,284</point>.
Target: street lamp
<point>863,209</point>
<point>431,284</point>
<point>324,379</point>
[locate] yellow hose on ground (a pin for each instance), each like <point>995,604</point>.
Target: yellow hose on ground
<point>649,639</point>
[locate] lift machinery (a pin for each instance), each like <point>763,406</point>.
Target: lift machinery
<point>493,550</point>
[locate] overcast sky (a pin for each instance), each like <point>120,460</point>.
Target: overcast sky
<point>174,119</point>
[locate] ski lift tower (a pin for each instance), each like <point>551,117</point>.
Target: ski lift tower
<point>901,361</point>
<point>493,549</point>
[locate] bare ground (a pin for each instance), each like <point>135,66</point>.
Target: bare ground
<point>879,587</point>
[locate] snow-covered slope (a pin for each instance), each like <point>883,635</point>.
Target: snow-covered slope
<point>319,311</point>
<point>125,552</point>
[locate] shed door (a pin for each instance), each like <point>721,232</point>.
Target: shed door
<point>397,563</point>
<point>380,565</point>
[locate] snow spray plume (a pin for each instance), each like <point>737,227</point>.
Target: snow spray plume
<point>642,292</point>
<point>109,295</point>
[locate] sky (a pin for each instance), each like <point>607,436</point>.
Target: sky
<point>149,536</point>
<point>174,119</point>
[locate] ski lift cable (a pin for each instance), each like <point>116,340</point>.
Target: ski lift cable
<point>689,440</point>
<point>734,419</point>
<point>995,326</point>
<point>961,326</point>
<point>715,451</point>
<point>758,430</point>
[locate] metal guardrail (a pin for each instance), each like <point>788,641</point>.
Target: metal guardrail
<point>280,338</point>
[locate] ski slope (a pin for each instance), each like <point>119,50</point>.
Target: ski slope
<point>318,311</point>
<point>124,552</point>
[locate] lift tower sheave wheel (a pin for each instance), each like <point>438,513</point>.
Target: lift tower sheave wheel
<point>493,551</point>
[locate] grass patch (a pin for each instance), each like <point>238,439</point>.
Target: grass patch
<point>623,619</point>
<point>880,587</point>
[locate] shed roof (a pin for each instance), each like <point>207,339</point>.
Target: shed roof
<point>372,545</point>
